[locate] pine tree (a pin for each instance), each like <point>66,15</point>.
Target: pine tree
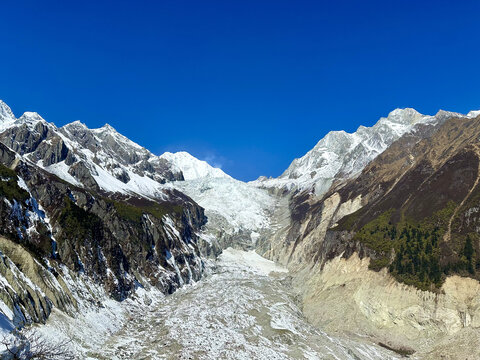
<point>469,254</point>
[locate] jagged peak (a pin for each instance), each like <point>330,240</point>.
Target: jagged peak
<point>107,131</point>
<point>334,138</point>
<point>444,113</point>
<point>76,123</point>
<point>30,116</point>
<point>405,116</point>
<point>108,127</point>
<point>5,112</point>
<point>325,160</point>
<point>406,110</point>
<point>180,154</point>
<point>473,113</point>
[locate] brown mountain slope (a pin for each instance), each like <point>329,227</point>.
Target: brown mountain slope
<point>421,197</point>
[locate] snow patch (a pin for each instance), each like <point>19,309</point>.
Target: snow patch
<point>251,260</point>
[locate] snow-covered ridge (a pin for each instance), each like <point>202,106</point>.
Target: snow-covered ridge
<point>342,155</point>
<point>102,156</point>
<point>106,159</point>
<point>6,115</point>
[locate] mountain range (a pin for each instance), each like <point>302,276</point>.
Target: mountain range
<point>379,228</point>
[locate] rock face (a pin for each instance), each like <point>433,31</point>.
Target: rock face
<point>51,227</point>
<point>391,174</point>
<point>345,296</point>
<point>101,158</point>
<point>95,209</point>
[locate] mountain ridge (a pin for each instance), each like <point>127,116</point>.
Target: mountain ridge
<point>100,157</point>
<point>341,155</point>
<point>96,208</point>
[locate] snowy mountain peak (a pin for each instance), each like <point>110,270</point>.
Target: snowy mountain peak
<point>101,159</point>
<point>443,114</point>
<point>108,127</point>
<point>108,130</point>
<point>473,114</point>
<point>191,167</point>
<point>6,113</point>
<point>405,116</point>
<point>29,116</point>
<point>108,134</point>
<point>76,123</point>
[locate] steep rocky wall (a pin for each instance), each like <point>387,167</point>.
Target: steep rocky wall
<point>302,238</point>
<point>51,229</point>
<point>346,296</point>
<point>29,290</point>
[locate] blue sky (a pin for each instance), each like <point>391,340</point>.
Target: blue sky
<point>248,85</point>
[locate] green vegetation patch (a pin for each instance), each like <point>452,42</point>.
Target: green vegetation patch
<point>135,213</point>
<point>379,234</point>
<point>417,256</point>
<point>411,249</point>
<point>127,211</point>
<point>347,223</point>
<point>9,187</point>
<point>468,259</point>
<point>77,224</point>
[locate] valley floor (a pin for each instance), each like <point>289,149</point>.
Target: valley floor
<point>244,309</point>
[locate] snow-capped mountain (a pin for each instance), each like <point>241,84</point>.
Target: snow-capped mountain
<point>105,161</point>
<point>191,167</point>
<point>100,159</point>
<point>234,208</point>
<point>123,221</point>
<point>341,155</point>
<point>6,115</point>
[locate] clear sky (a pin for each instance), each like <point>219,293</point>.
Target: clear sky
<point>248,85</point>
